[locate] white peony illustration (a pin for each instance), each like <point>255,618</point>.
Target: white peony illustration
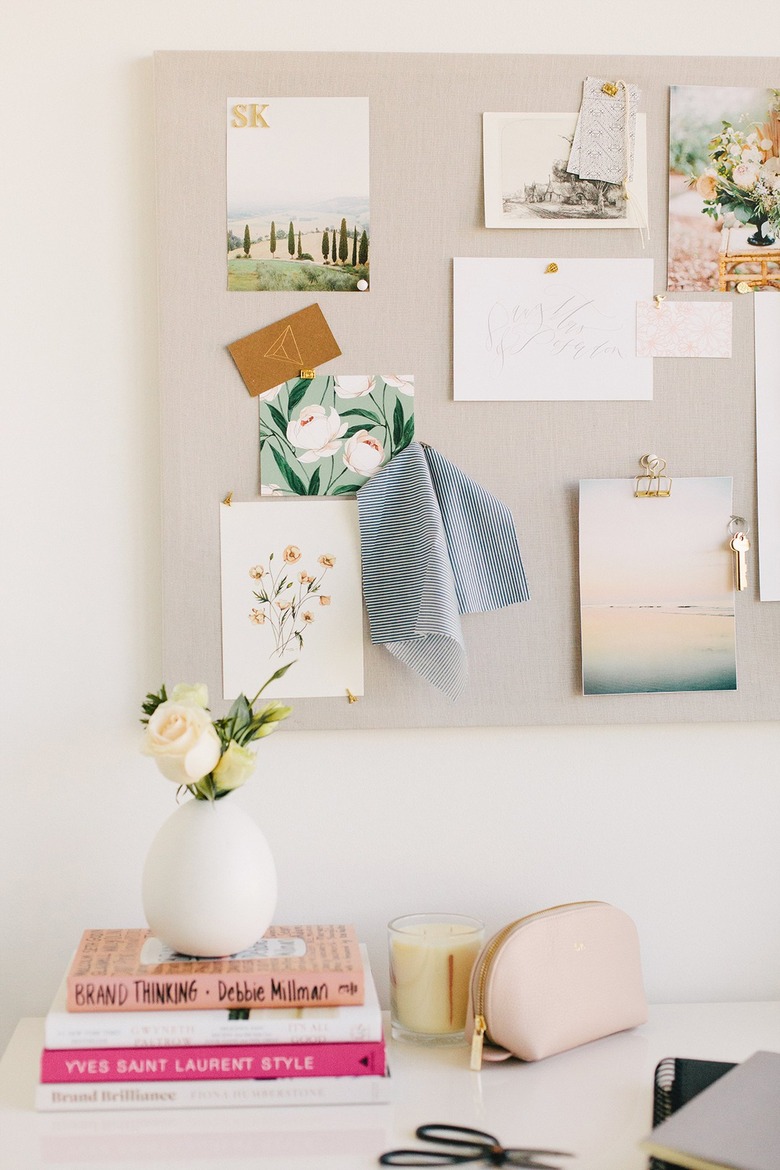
<point>363,454</point>
<point>402,382</point>
<point>354,386</point>
<point>317,431</point>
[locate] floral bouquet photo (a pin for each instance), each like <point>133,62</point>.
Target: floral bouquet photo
<point>741,182</point>
<point>209,757</point>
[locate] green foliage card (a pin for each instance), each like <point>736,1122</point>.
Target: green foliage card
<point>326,436</point>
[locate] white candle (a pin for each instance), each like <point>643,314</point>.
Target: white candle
<point>431,957</point>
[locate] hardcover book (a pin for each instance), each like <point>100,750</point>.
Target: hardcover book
<point>280,1025</point>
<point>290,966</point>
<point>214,1062</point>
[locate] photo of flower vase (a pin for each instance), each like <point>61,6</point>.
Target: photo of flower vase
<point>209,882</point>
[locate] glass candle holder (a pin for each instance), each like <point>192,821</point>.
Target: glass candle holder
<point>431,957</point>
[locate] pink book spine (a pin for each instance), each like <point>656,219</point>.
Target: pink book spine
<point>143,993</point>
<point>214,1062</point>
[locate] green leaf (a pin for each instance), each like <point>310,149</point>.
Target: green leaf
<point>278,417</point>
<point>297,393</point>
<point>344,488</point>
<point>295,482</point>
<point>314,483</point>
<point>152,702</point>
<point>408,434</point>
<point>358,412</point>
<point>353,430</point>
<point>398,422</point>
<point>277,674</point>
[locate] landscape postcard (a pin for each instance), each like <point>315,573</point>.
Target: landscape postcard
<point>297,194</point>
<point>656,588</point>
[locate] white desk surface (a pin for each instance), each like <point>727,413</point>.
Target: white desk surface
<point>595,1101</point>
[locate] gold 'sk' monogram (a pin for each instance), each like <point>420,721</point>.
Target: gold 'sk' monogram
<point>249,116</point>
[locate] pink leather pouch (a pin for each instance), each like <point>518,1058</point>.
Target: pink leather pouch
<point>553,980</point>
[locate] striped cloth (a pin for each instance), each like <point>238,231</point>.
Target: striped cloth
<point>434,545</point>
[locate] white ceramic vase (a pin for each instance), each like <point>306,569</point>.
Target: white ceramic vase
<point>209,882</point>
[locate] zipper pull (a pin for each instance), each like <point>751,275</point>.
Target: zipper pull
<point>477,1041</point>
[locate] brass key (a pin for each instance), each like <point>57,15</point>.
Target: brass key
<point>740,544</point>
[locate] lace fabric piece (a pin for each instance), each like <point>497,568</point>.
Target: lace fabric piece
<point>598,149</point>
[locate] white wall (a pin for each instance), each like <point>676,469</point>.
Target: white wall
<point>678,825</point>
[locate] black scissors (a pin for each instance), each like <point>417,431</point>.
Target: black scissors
<point>467,1145</point>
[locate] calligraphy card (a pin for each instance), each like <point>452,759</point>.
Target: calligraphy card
<point>683,329</point>
<point>297,194</point>
<point>328,435</point>
<point>527,183</point>
<point>524,334</point>
<point>724,187</point>
<point>280,351</point>
<point>656,588</point>
<point>767,351</point>
<point>291,592</point>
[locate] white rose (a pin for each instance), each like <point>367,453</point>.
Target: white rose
<point>196,693</point>
<point>317,431</point>
<point>356,386</point>
<point>182,739</point>
<point>402,382</point>
<point>235,767</point>
<point>363,454</point>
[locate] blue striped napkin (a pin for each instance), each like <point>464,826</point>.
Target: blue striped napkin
<point>434,545</point>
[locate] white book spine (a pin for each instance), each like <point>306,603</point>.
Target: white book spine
<point>339,1025</point>
<point>213,1094</point>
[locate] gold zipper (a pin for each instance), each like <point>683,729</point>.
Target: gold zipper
<point>481,972</point>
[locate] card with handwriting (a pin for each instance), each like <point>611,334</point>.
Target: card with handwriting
<point>683,329</point>
<point>281,351</point>
<point>549,330</point>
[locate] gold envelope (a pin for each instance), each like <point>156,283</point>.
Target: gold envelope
<point>279,352</point>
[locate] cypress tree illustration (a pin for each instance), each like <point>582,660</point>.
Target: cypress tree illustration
<point>354,247</point>
<point>300,250</point>
<point>343,242</point>
<point>325,246</point>
<point>291,240</point>
<point>363,249</point>
<point>333,249</point>
<point>272,243</point>
<point>247,240</point>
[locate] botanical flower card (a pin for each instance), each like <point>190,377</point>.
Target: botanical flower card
<point>272,355</point>
<point>694,329</point>
<point>528,184</point>
<point>291,592</point>
<point>326,436</point>
<point>724,185</point>
<point>297,194</point>
<point>656,588</point>
<point>526,334</point>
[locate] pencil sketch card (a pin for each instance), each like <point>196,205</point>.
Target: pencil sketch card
<point>327,435</point>
<point>767,349</point>
<point>524,334</point>
<point>291,592</point>
<point>724,193</point>
<point>297,194</point>
<point>683,329</point>
<point>527,183</point>
<point>656,588</point>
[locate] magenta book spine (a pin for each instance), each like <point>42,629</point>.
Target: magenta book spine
<point>212,1062</point>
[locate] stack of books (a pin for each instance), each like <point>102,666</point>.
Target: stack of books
<point>293,1020</point>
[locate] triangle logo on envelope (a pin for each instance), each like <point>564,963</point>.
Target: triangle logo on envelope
<point>285,348</point>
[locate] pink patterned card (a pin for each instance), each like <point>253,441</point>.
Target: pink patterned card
<point>683,329</point>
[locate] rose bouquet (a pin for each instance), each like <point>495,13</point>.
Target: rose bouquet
<point>209,757</point>
<point>742,181</point>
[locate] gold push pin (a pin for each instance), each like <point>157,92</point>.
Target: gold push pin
<point>609,88</point>
<point>743,287</point>
<point>551,267</point>
<point>228,500</point>
<point>307,373</point>
<point>659,299</point>
<point>350,697</point>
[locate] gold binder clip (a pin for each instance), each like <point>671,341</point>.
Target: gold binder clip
<point>652,483</point>
<point>228,500</point>
<point>552,267</point>
<point>609,88</point>
<point>307,374</point>
<point>350,697</point>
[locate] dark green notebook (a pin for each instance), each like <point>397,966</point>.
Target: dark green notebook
<point>677,1080</point>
